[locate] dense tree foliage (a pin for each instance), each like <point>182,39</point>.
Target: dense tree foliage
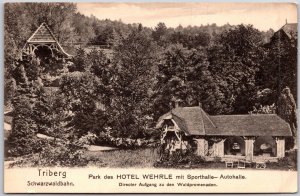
<point>133,77</point>
<point>287,108</point>
<point>121,87</point>
<point>183,75</point>
<point>234,68</point>
<point>279,68</point>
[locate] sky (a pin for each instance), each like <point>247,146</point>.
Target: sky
<point>262,16</point>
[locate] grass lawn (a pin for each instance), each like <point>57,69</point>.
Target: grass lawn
<point>140,158</point>
<point>146,158</point>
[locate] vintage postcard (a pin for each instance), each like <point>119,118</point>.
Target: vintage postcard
<point>150,97</point>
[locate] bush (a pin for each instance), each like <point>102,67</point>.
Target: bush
<point>55,154</point>
<point>290,161</point>
<point>217,159</point>
<point>178,159</point>
<point>23,146</point>
<point>194,159</point>
<point>62,155</point>
<point>125,143</point>
<point>22,139</point>
<point>89,138</point>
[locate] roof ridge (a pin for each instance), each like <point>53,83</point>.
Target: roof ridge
<point>292,23</point>
<point>202,121</point>
<point>244,115</point>
<point>176,115</point>
<point>208,117</point>
<point>179,118</point>
<point>52,35</point>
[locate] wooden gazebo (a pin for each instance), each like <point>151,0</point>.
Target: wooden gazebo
<point>43,38</point>
<point>243,134</point>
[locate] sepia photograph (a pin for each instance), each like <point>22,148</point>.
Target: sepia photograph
<point>107,92</point>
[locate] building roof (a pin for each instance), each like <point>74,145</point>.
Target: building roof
<point>290,29</point>
<point>250,125</point>
<point>44,35</point>
<point>195,121</point>
<point>191,120</point>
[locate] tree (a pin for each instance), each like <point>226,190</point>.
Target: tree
<point>87,92</point>
<point>10,88</point>
<point>22,19</point>
<point>51,115</point>
<point>58,16</point>
<point>83,28</point>
<point>287,109</point>
<point>132,72</point>
<point>235,59</point>
<point>190,37</point>
<point>159,33</point>
<point>22,139</point>
<point>280,66</point>
<point>78,61</point>
<point>184,75</point>
<point>80,92</point>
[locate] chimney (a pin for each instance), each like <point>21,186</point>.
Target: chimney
<point>200,104</point>
<point>176,103</point>
<point>286,21</point>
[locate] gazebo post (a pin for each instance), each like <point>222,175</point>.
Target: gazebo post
<point>280,147</point>
<point>249,147</point>
<point>200,146</point>
<point>219,148</point>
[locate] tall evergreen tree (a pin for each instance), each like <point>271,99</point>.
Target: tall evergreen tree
<point>133,69</point>
<point>287,109</point>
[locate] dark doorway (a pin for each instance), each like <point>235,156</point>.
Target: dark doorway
<point>265,146</point>
<point>234,146</point>
<point>44,53</point>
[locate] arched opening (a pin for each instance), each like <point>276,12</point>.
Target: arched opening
<point>49,60</point>
<point>265,146</point>
<point>43,52</point>
<point>234,146</point>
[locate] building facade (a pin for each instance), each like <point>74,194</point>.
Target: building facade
<point>224,135</point>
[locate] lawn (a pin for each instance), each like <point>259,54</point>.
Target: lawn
<point>147,158</point>
<point>140,158</point>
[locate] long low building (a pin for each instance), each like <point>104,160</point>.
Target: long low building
<point>224,135</point>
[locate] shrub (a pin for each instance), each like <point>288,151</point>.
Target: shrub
<point>193,159</point>
<point>217,159</point>
<point>178,158</point>
<point>22,139</point>
<point>55,154</point>
<point>62,155</point>
<point>88,139</point>
<point>125,143</point>
<point>25,146</point>
<point>289,161</point>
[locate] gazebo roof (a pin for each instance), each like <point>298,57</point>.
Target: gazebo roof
<point>195,121</point>
<point>44,35</point>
